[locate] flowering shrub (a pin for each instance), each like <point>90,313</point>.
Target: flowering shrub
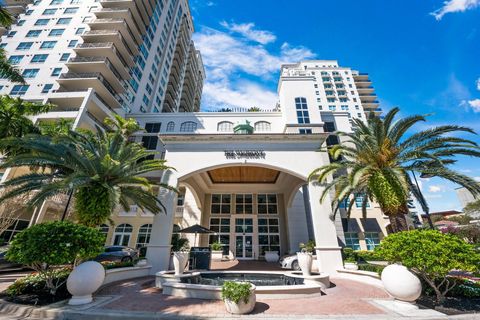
<point>116,264</point>
<point>35,283</point>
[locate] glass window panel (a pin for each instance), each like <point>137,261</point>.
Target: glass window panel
<point>215,228</point>
<point>248,198</point>
<point>248,209</point>
<point>249,229</point>
<point>249,222</point>
<point>263,239</point>
<point>273,229</point>
<point>239,208</point>
<point>215,221</point>
<point>216,198</point>
<point>225,209</point>
<point>239,229</point>
<point>262,198</point>
<point>275,239</point>
<point>272,198</point>
<point>262,229</point>
<point>215,208</point>
<point>262,209</point>
<point>225,229</point>
<point>272,209</point>
<point>225,221</point>
<point>263,221</point>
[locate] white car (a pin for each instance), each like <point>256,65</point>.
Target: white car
<point>291,262</point>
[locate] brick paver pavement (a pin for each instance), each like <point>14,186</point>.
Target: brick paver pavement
<point>345,298</point>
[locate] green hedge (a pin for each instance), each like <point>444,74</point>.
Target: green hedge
<point>35,284</point>
<point>371,267</point>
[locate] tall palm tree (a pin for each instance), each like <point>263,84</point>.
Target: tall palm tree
<point>14,113</point>
<point>377,156</point>
<point>103,169</point>
<point>7,71</point>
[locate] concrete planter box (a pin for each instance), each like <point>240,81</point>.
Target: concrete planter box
<point>217,255</point>
<point>119,274</point>
<point>241,307</point>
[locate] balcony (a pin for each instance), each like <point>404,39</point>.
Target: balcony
<point>367,97</point>
<point>179,211</point>
<point>93,80</point>
<point>105,49</point>
<point>114,36</point>
<point>137,7</point>
<point>99,64</point>
<point>121,13</point>
<point>16,9</point>
<point>132,37</point>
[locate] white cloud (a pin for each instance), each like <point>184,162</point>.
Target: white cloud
<point>435,189</point>
<point>478,84</point>
<point>451,6</point>
<point>475,105</point>
<point>476,178</point>
<point>228,57</point>
<point>247,30</point>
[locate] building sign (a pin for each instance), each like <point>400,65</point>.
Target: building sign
<point>245,154</point>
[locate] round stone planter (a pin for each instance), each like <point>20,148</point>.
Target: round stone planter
<point>401,283</point>
<point>271,256</point>
<point>350,266</point>
<point>180,259</point>
<point>217,255</point>
<point>241,307</point>
<point>84,280</point>
<point>305,260</point>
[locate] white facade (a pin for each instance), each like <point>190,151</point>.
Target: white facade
<point>465,197</point>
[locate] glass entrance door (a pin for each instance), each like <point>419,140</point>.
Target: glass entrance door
<point>244,246</point>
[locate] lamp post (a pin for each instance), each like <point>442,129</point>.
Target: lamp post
<point>426,209</point>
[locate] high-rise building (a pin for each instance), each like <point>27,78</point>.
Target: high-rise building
<point>93,59</point>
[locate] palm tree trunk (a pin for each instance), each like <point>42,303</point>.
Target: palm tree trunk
<point>398,222</point>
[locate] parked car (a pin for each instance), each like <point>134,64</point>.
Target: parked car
<point>117,253</point>
<point>7,265</point>
<point>291,262</point>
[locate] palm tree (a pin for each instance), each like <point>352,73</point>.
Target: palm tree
<point>103,169</point>
<point>14,113</point>
<point>376,158</point>
<point>472,207</point>
<point>7,71</point>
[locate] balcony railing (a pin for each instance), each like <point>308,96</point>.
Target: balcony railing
<point>90,75</point>
<point>111,45</point>
<point>79,59</point>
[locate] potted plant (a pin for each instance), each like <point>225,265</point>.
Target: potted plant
<point>350,259</point>
<point>217,251</point>
<point>239,297</point>
<point>180,249</point>
<point>305,257</point>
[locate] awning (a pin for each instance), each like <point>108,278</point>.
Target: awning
<point>371,225</point>
<point>350,225</point>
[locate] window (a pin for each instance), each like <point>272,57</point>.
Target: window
<point>372,239</point>
<point>55,2</point>
<point>344,107</point>
<point>152,127</point>
<point>80,31</point>
<point>262,126</point>
<point>150,142</point>
<point>221,204</point>
<point>351,240</point>
<point>243,203</point>
<point>20,23</point>
<point>47,88</point>
<point>33,33</point>
<point>225,126</point>
<point>72,43</point>
<point>70,10</point>
<point>49,12</point>
<point>268,235</point>
<point>243,225</point>
<point>56,72</point>
<point>122,234</point>
<point>24,45</point>
<point>15,59</point>
<point>65,57</point>
<point>329,127</point>
<point>19,89</point>
<point>30,73</point>
<point>332,108</point>
<point>267,204</point>
<point>13,229</point>
<point>56,32</point>
<point>302,110</point>
<point>48,44</point>
<point>359,201</point>
<point>305,131</point>
<point>64,20</point>
<point>104,229</point>
<point>12,33</point>
<point>188,126</point>
<point>42,22</point>
<point>221,226</point>
<point>144,235</point>
<point>171,126</point>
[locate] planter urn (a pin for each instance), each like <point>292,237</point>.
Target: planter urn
<point>271,256</point>
<point>305,260</point>
<point>350,266</point>
<point>180,259</point>
<point>401,283</point>
<point>241,307</point>
<point>217,255</point>
<point>84,280</point>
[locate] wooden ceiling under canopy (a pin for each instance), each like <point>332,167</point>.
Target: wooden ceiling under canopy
<point>243,174</point>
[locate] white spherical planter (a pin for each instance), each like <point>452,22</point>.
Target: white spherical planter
<point>241,307</point>
<point>271,256</point>
<point>401,283</point>
<point>305,260</point>
<point>180,259</point>
<point>84,280</point>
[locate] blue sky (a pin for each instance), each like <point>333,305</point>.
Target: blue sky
<point>422,55</point>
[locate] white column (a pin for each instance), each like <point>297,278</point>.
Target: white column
<point>158,252</point>
<point>329,255</point>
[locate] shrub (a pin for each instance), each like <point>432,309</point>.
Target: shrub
<point>349,255</point>
<point>116,264</point>
<point>178,243</point>
<point>308,247</point>
<point>35,284</point>
<point>369,255</point>
<point>371,267</point>
<point>431,255</point>
<point>236,291</point>
<point>44,247</point>
<point>216,246</point>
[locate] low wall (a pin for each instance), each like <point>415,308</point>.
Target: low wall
<point>367,277</point>
<point>119,274</point>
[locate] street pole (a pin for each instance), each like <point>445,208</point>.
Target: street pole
<point>427,213</point>
<point>70,194</point>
